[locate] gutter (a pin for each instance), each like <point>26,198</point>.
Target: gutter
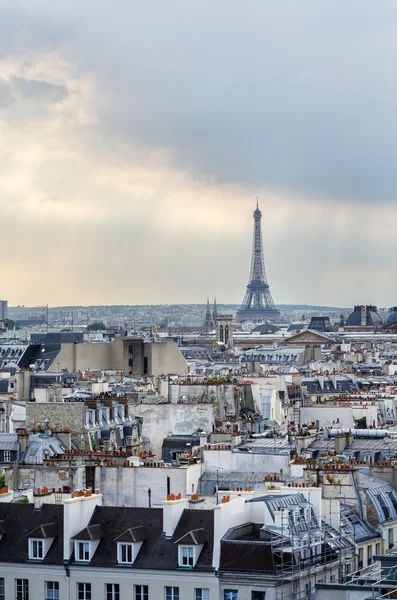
<point>360,504</point>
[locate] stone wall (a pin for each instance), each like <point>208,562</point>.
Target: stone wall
<point>60,415</point>
<point>161,420</point>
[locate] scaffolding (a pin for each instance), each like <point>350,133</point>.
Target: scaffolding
<point>380,579</point>
<point>299,568</point>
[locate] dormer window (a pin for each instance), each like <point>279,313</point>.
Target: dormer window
<point>129,543</point>
<point>36,549</point>
<point>40,540</point>
<point>186,556</point>
<point>189,548</point>
<point>82,551</point>
<point>86,542</point>
<point>125,554</point>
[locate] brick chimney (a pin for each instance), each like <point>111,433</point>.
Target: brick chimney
<point>65,436</point>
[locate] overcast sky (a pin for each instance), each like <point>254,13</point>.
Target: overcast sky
<point>135,137</point>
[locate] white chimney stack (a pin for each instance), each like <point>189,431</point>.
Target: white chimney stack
<point>77,513</point>
<point>172,512</point>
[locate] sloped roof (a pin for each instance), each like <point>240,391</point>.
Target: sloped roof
<point>157,552</point>
<point>42,446</point>
<point>309,336</point>
<point>9,441</point>
<point>45,531</point>
<point>92,532</point>
<point>18,521</point>
<point>133,534</point>
<point>382,496</point>
<point>351,525</point>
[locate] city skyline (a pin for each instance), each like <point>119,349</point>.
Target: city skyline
<point>135,144</point>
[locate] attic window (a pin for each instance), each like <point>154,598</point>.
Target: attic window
<point>82,551</point>
<point>36,549</point>
<point>186,556</point>
<point>125,554</point>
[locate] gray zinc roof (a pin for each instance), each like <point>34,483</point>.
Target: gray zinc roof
<point>8,441</point>
<point>41,447</point>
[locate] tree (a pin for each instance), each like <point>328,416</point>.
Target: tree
<point>97,326</point>
<point>9,323</point>
<point>362,423</point>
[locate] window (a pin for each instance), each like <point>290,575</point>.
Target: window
<point>369,554</point>
<point>2,589</point>
<point>230,595</point>
<point>201,594</point>
<point>36,550</point>
<point>112,591</point>
<point>83,591</point>
<point>258,595</point>
<point>125,554</point>
<point>83,551</point>
<point>377,548</point>
<point>51,590</point>
<point>360,558</point>
<point>7,456</point>
<point>391,538</point>
<point>171,593</point>
<point>22,589</point>
<point>186,556</point>
<point>141,592</point>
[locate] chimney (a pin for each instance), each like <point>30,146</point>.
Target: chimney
<point>65,436</point>
<point>340,443</point>
<point>172,512</point>
<point>77,513</point>
<point>281,519</point>
<point>203,438</point>
<point>23,440</point>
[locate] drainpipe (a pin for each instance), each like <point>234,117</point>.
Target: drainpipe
<point>360,504</point>
<point>67,577</point>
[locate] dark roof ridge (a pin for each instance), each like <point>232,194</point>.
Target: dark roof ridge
<point>131,533</point>
<point>197,539</point>
<point>42,529</point>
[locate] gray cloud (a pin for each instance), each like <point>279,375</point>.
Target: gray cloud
<point>291,95</point>
<point>6,96</point>
<point>39,90</point>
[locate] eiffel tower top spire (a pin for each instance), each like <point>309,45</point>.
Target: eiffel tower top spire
<point>258,305</point>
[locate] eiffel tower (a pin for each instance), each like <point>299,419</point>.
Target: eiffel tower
<point>258,305</point>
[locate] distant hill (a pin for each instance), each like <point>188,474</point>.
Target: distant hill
<point>309,307</point>
<point>281,307</point>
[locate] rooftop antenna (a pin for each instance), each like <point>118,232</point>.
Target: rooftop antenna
<point>257,203</point>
